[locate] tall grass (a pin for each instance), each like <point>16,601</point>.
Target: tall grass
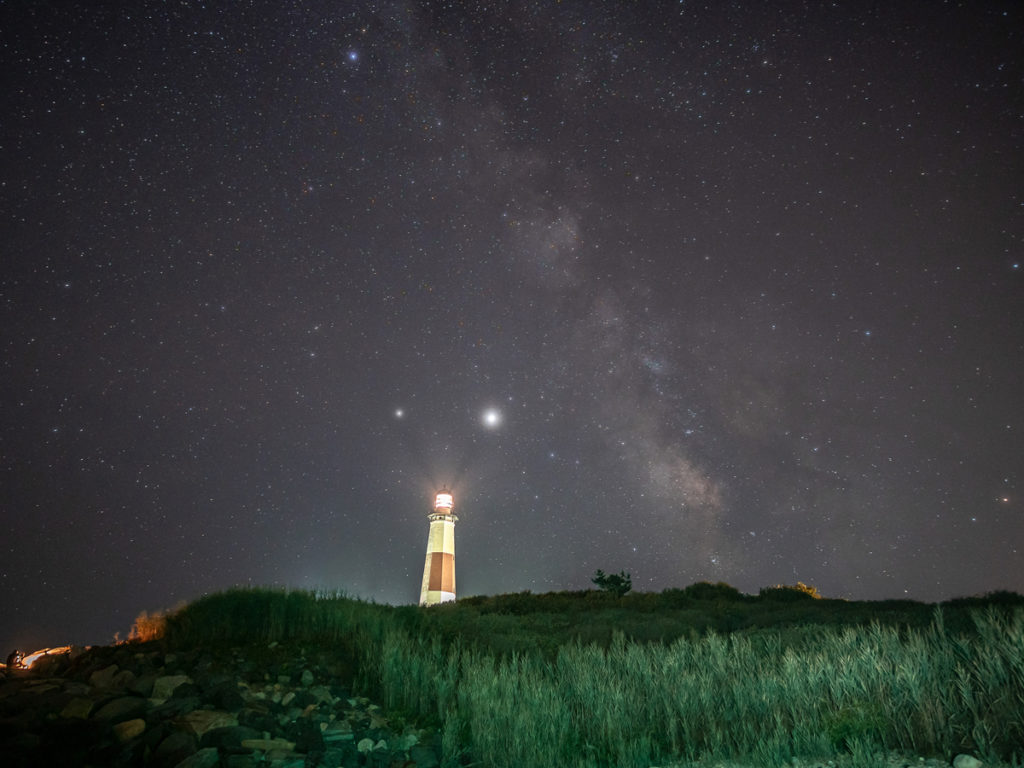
<point>757,696</point>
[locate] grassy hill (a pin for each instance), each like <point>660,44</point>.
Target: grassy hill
<point>705,672</point>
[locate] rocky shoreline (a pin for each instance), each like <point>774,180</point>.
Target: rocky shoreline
<point>139,705</point>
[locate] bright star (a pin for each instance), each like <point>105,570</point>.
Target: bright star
<point>399,413</point>
<point>492,418</point>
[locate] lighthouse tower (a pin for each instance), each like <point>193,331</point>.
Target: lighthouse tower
<point>439,569</point>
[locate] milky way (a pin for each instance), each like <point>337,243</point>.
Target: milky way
<point>726,293</point>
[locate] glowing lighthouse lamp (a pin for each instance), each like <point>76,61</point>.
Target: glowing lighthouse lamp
<point>439,568</point>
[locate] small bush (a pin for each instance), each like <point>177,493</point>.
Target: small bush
<point>617,584</point>
<point>785,593</point>
<point>148,627</point>
<point>705,590</point>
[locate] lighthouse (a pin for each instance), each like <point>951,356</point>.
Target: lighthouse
<point>439,568</point>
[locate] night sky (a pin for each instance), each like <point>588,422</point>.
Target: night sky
<point>726,292</point>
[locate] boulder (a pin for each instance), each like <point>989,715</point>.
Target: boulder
<point>123,680</point>
<point>187,690</point>
<point>120,709</point>
<point>267,745</point>
<point>339,730</point>
<point>204,758</point>
<point>163,687</point>
<point>172,708</point>
<point>174,748</point>
<point>143,684</point>
<point>228,736</point>
<point>200,721</point>
<point>129,729</point>
<point>224,695</point>
<point>405,742</point>
<point>322,694</point>
<point>307,736</point>
<point>102,678</point>
<point>303,699</point>
<point>79,707</point>
<point>966,761</point>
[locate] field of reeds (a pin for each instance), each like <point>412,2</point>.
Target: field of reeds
<point>589,679</point>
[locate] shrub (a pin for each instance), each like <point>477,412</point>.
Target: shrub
<point>786,593</point>
<point>705,590</point>
<point>616,583</point>
<point>147,627</point>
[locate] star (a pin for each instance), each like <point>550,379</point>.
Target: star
<point>662,276</point>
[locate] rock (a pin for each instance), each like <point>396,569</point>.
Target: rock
<point>143,684</point>
<point>339,730</point>
<point>346,757</point>
<point>176,747</point>
<point>202,720</point>
<point>224,696</point>
<point>49,665</point>
<point>186,690</point>
<point>307,736</point>
<point>267,745</point>
<point>76,688</point>
<point>129,729</point>
<point>173,708</point>
<point>79,707</point>
<point>102,678</point>
<point>204,758</point>
<point>966,761</point>
<point>120,709</point>
<point>406,742</point>
<point>322,694</point>
<point>163,687</point>
<point>257,719</point>
<point>202,708</point>
<point>123,680</point>
<point>279,758</point>
<point>228,736</point>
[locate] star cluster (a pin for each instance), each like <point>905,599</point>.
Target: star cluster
<point>726,293</point>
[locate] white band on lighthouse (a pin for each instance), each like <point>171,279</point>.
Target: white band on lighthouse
<point>439,567</point>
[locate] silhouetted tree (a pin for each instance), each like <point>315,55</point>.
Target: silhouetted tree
<point>616,583</point>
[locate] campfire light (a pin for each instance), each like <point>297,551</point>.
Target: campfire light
<point>32,658</point>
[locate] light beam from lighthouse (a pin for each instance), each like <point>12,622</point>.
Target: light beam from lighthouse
<point>439,569</point>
